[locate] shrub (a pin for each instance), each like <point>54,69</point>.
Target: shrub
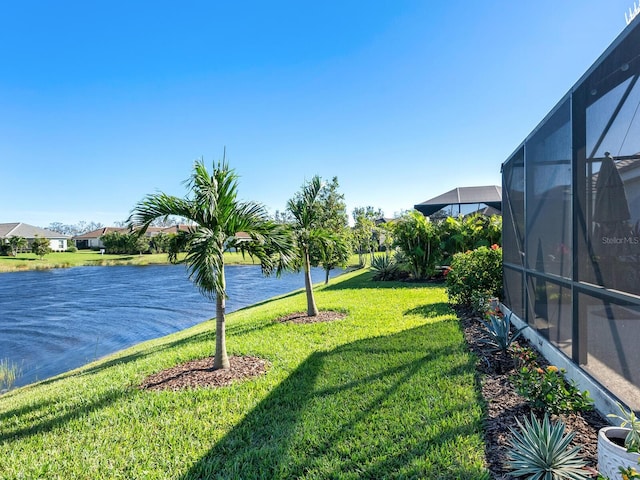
<point>475,277</point>
<point>540,451</point>
<point>459,234</point>
<point>417,238</point>
<point>72,249</point>
<point>547,390</point>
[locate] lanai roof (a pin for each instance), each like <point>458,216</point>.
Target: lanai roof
<point>490,195</point>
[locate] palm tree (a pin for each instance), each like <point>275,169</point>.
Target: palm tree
<point>217,216</point>
<point>17,244</point>
<point>305,210</point>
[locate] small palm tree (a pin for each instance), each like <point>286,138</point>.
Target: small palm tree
<point>305,211</point>
<point>17,244</point>
<point>217,217</point>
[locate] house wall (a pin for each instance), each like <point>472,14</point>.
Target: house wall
<point>58,244</point>
<point>571,232</point>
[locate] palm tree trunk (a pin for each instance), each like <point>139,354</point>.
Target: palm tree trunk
<point>221,360</point>
<point>312,310</point>
<point>326,275</point>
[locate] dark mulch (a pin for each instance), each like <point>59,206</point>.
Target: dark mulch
<point>302,317</point>
<point>198,374</point>
<point>504,405</point>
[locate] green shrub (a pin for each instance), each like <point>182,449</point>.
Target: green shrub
<point>547,390</point>
<point>417,238</point>
<point>72,249</point>
<point>459,234</point>
<point>475,277</point>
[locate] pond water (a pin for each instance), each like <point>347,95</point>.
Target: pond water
<point>55,320</point>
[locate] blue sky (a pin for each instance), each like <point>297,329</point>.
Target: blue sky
<point>104,102</point>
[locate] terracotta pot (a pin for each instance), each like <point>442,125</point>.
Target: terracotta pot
<point>610,455</point>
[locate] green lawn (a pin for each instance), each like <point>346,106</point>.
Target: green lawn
<point>387,392</point>
<point>29,261</point>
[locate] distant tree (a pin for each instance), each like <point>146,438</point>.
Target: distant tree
<point>138,244</point>
<point>365,231</point>
<point>217,216</point>
<point>159,243</point>
<point>178,243</point>
<point>114,242</point>
<point>84,227</point>
<point>57,227</point>
<point>283,217</point>
<point>77,229</point>
<point>333,217</point>
<point>17,245</point>
<point>40,246</point>
<point>169,221</point>
<point>306,210</point>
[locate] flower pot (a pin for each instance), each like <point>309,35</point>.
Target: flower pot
<point>611,455</point>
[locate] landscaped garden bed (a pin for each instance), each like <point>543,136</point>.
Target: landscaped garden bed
<point>504,404</point>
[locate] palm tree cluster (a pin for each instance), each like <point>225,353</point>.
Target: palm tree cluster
<point>217,218</point>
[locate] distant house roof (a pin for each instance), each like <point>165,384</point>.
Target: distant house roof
<point>490,195</point>
<point>98,233</point>
<point>151,231</point>
<point>176,228</point>
<point>28,231</point>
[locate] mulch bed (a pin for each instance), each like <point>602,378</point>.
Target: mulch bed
<point>302,317</point>
<point>504,405</point>
<point>198,374</point>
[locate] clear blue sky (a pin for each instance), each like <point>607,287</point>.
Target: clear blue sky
<point>103,102</point>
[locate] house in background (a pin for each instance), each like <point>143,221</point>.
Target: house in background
<point>58,242</point>
<point>486,200</point>
<point>93,239</point>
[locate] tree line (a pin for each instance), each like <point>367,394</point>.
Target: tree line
<point>312,231</point>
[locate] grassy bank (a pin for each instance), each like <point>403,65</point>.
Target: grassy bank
<point>29,261</point>
<point>387,392</point>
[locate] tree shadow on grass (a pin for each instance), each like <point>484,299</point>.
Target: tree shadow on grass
<point>42,409</point>
<point>365,280</point>
<point>50,418</point>
<point>368,409</point>
<point>431,310</point>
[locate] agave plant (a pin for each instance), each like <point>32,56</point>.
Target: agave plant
<point>499,330</point>
<point>384,268</point>
<point>540,452</point>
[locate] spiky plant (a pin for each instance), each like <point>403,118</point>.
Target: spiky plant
<point>540,452</point>
<point>384,267</point>
<point>628,419</point>
<point>499,330</point>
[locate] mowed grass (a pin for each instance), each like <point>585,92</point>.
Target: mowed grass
<point>387,392</point>
<point>29,261</point>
